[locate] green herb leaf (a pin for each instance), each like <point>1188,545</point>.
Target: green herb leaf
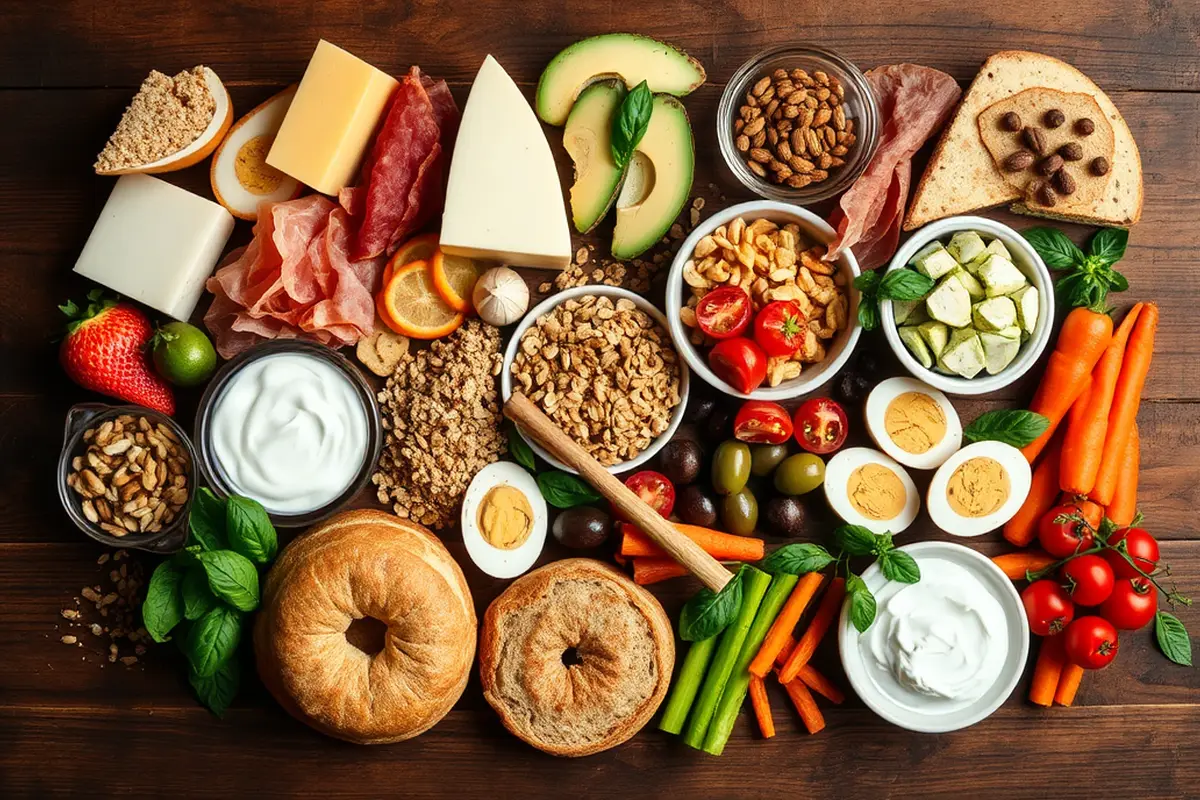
<point>1054,247</point>
<point>630,123</point>
<point>868,313</point>
<point>212,640</point>
<point>862,603</point>
<point>899,566</point>
<point>797,559</point>
<point>565,491</point>
<point>198,600</point>
<point>855,540</point>
<point>162,609</point>
<point>867,282</point>
<point>883,543</point>
<point>522,453</point>
<point>1016,427</point>
<point>207,520</point>
<point>217,690</point>
<point>904,284</point>
<point>1173,638</point>
<point>708,612</point>
<point>232,578</point>
<point>250,530</point>
<point>1109,244</point>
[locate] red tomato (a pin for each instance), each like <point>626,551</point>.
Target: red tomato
<point>1088,579</point>
<point>1048,607</point>
<point>1131,605</point>
<point>1062,539</point>
<point>654,489</point>
<point>1091,642</point>
<point>1140,545</point>
<point>821,425</point>
<point>779,328</point>
<point>724,313</point>
<point>762,422</point>
<point>740,363</point>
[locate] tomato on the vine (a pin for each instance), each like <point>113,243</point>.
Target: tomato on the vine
<point>1131,605</point>
<point>1091,642</point>
<point>1141,547</point>
<point>820,425</point>
<point>740,363</point>
<point>779,328</point>
<point>724,313</point>
<point>1069,536</point>
<point>654,489</point>
<point>762,422</point>
<point>1088,579</point>
<point>1048,607</point>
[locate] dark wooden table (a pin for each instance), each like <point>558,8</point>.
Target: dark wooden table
<point>71,722</point>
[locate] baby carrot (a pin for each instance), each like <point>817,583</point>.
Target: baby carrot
<point>781,629</point>
<point>1015,565</point>
<point>723,546</point>
<point>1068,684</point>
<point>762,706</point>
<point>650,570</point>
<point>1046,673</point>
<point>803,700</point>
<point>1126,399</point>
<point>1123,507</point>
<point>830,605</point>
<point>820,684</point>
<point>1043,494</point>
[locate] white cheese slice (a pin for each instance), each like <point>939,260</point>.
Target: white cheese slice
<point>504,202</point>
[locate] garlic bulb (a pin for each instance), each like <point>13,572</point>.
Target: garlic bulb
<point>501,297</point>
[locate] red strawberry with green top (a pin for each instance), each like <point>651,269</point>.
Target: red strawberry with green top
<point>105,351</point>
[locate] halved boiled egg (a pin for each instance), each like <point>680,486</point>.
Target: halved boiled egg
<point>978,489</point>
<point>913,423</point>
<point>504,520</point>
<point>240,175</point>
<point>865,487</point>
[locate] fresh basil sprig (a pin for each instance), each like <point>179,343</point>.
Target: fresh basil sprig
<point>862,603</point>
<point>218,690</point>
<point>1173,638</point>
<point>708,612</point>
<point>630,123</point>
<point>1016,427</point>
<point>521,452</point>
<point>899,284</point>
<point>1089,277</point>
<point>565,491</point>
<point>797,559</point>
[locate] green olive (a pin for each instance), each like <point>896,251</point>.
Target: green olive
<point>799,474</point>
<point>764,458</point>
<point>739,512</point>
<point>730,467</point>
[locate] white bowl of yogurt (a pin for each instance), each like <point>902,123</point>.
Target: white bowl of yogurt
<point>291,424</point>
<point>943,653</point>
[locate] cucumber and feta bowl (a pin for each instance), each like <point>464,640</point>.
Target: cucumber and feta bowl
<point>987,316</point>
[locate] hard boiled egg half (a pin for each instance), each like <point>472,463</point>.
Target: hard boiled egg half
<point>978,489</point>
<point>913,423</point>
<point>865,487</point>
<point>240,175</point>
<point>504,520</point>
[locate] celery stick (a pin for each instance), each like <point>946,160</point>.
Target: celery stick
<point>739,680</point>
<point>754,586</point>
<point>687,683</point>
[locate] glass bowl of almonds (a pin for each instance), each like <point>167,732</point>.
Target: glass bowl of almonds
<point>797,124</point>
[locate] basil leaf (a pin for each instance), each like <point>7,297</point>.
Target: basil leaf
<point>232,578</point>
<point>1117,282</point>
<point>708,612</point>
<point>565,491</point>
<point>212,640</point>
<point>862,603</point>
<point>855,540</point>
<point>1173,638</point>
<point>797,559</point>
<point>197,599</point>
<point>1109,244</point>
<point>630,123</point>
<point>1016,427</point>
<point>250,530</point>
<point>867,282</point>
<point>522,453</point>
<point>904,284</point>
<point>883,544</point>
<point>899,566</point>
<point>162,609</point>
<point>868,312</point>
<point>207,520</point>
<point>217,691</point>
<point>1054,247</point>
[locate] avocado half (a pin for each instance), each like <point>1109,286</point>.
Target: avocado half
<point>658,182</point>
<point>588,140</point>
<point>628,56</point>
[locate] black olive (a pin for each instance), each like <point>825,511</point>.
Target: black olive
<point>695,507</point>
<point>784,516</point>
<point>681,461</point>
<point>698,409</point>
<point>720,424</point>
<point>582,527</point>
<point>852,388</point>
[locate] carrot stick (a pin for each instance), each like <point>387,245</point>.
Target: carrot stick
<point>821,685</point>
<point>620,559</point>
<point>1015,565</point>
<point>1068,684</point>
<point>1043,494</point>
<point>781,629</point>
<point>789,644</point>
<point>761,706</point>
<point>653,570</point>
<point>830,605</point>
<point>1084,337</point>
<point>1123,507</point>
<point>1126,399</point>
<point>803,700</point>
<point>724,546</point>
<point>1087,427</point>
<point>1050,662</point>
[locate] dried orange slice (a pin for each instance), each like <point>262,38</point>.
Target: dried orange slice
<point>418,248</point>
<point>454,278</point>
<point>411,306</point>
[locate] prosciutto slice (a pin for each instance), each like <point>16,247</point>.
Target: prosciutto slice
<point>914,103</point>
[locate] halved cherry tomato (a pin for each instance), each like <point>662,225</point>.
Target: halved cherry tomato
<point>779,328</point>
<point>724,313</point>
<point>1068,536</point>
<point>821,425</point>
<point>1091,642</point>
<point>1048,607</point>
<point>740,363</point>
<point>654,489</point>
<point>1088,579</point>
<point>1141,547</point>
<point>762,422</point>
<point>1131,605</point>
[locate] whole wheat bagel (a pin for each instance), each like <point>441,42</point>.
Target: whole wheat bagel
<point>575,657</point>
<point>367,629</point>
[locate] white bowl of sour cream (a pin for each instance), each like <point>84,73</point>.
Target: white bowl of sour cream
<point>943,653</point>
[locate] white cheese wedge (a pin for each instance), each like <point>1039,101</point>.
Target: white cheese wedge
<point>1027,307</point>
<point>966,246</point>
<point>504,202</point>
<point>999,276</point>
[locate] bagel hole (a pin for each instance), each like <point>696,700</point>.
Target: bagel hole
<point>367,634</point>
<point>571,657</point>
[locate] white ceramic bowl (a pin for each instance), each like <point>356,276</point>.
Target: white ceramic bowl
<point>1025,258</point>
<point>816,229</point>
<point>954,716</point>
<point>506,380</point>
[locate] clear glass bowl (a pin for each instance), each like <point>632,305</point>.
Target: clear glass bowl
<point>858,101</point>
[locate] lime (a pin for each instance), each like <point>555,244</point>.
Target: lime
<point>183,354</point>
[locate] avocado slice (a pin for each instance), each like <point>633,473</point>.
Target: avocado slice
<point>998,351</point>
<point>936,335</point>
<point>966,246</point>
<point>916,345</point>
<point>963,354</point>
<point>628,56</point>
<point>994,314</point>
<point>588,140</point>
<point>950,303</point>
<point>658,182</point>
<point>933,261</point>
<point>1000,276</point>
<point>970,283</point>
<point>903,309</point>
<point>1026,299</point>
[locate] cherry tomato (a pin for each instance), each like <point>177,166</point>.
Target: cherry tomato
<point>762,422</point>
<point>654,489</point>
<point>1087,579</point>
<point>1048,607</point>
<point>740,363</point>
<point>724,313</point>
<point>1140,545</point>
<point>1062,539</point>
<point>1091,642</point>
<point>1131,605</point>
<point>820,425</point>
<point>779,328</point>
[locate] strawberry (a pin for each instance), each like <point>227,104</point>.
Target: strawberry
<point>105,351</point>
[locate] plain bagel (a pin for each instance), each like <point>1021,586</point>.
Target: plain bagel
<point>367,629</point>
<point>575,657</point>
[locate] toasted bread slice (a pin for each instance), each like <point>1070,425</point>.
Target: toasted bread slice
<point>962,177</point>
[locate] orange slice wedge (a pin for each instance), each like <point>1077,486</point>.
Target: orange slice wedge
<point>410,305</point>
<point>454,278</point>
<point>418,248</point>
